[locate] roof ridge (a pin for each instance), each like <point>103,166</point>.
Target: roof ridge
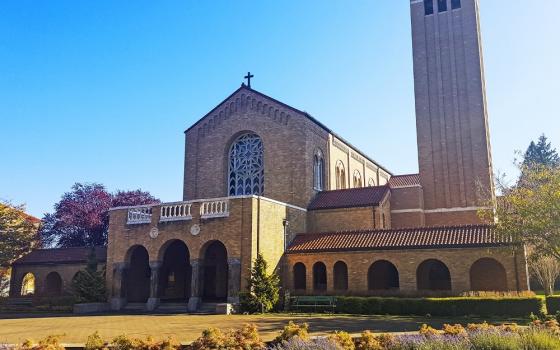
<point>354,189</point>
<point>401,175</point>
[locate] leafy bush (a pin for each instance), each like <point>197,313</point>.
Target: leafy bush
<point>368,341</point>
<point>51,342</point>
<point>456,306</point>
<point>246,338</point>
<point>540,340</point>
<point>292,330</point>
<point>95,342</point>
<point>343,339</point>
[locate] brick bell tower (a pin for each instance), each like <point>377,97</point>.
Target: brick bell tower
<point>451,116</point>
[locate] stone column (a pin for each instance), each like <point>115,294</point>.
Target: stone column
<point>196,287</point>
<point>234,280</point>
<point>118,289</point>
<point>153,300</point>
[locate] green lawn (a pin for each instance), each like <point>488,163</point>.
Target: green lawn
<point>186,328</point>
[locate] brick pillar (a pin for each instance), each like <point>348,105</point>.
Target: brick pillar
<point>153,300</point>
<point>309,280</point>
<point>196,287</point>
<point>118,288</point>
<point>234,280</point>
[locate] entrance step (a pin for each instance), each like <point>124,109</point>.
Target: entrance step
<point>172,308</point>
<point>19,301</point>
<point>207,309</point>
<point>135,307</point>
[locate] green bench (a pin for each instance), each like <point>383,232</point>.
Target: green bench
<point>313,302</point>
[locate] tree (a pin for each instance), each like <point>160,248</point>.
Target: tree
<point>81,217</point>
<point>18,235</point>
<point>541,154</point>
<point>88,285</point>
<point>529,212</point>
<point>546,270</point>
<point>262,295</point>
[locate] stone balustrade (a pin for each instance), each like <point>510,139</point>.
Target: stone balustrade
<point>139,215</point>
<point>214,209</point>
<point>175,212</point>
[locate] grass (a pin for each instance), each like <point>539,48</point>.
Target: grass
<point>186,328</point>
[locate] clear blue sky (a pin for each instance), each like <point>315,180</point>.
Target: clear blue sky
<point>101,91</point>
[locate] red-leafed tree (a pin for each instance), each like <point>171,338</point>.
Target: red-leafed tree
<point>81,217</point>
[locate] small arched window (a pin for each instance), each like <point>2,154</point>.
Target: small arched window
<point>299,276</point>
<point>340,176</point>
<point>371,182</point>
<point>340,276</point>
<point>246,166</point>
<point>318,171</point>
<point>28,284</point>
<point>357,179</point>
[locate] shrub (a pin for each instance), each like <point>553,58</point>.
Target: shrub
<point>553,304</point>
<point>246,338</point>
<point>292,330</point>
<point>343,339</point>
<point>427,331</point>
<point>495,340</point>
<point>368,341</point>
<point>122,342</point>
<point>51,342</point>
<point>262,294</point>
<point>454,330</point>
<point>88,285</point>
<point>95,342</point>
<point>456,306</point>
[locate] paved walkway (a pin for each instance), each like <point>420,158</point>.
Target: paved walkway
<point>185,328</point>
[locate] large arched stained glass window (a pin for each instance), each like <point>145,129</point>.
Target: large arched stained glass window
<point>246,166</point>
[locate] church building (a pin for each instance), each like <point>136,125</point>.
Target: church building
<point>261,176</point>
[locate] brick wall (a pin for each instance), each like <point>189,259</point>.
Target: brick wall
<point>458,261</point>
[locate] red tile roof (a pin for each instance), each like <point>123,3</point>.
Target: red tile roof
<point>404,180</point>
<point>61,256</point>
<point>349,198</point>
<point>408,238</point>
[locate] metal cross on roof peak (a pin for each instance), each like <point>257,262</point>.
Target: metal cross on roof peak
<point>248,77</point>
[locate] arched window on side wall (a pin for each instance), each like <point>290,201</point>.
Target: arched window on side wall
<point>434,275</point>
<point>318,171</point>
<point>488,274</point>
<point>340,276</point>
<point>246,166</point>
<point>357,179</point>
<point>455,4</point>
<point>28,284</point>
<point>371,182</point>
<point>319,276</point>
<point>340,176</point>
<point>299,276</point>
<point>53,284</point>
<point>383,275</point>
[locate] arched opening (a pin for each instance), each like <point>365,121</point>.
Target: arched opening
<point>340,176</point>
<point>53,285</point>
<point>300,276</point>
<point>28,284</point>
<point>432,274</point>
<point>383,275</point>
<point>357,179</point>
<point>318,171</point>
<point>215,272</point>
<point>371,182</point>
<point>138,276</point>
<point>246,166</point>
<point>487,274</point>
<point>175,274</point>
<point>319,276</point>
<point>340,276</point>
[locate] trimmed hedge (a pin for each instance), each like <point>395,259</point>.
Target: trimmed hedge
<point>552,304</point>
<point>457,306</point>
